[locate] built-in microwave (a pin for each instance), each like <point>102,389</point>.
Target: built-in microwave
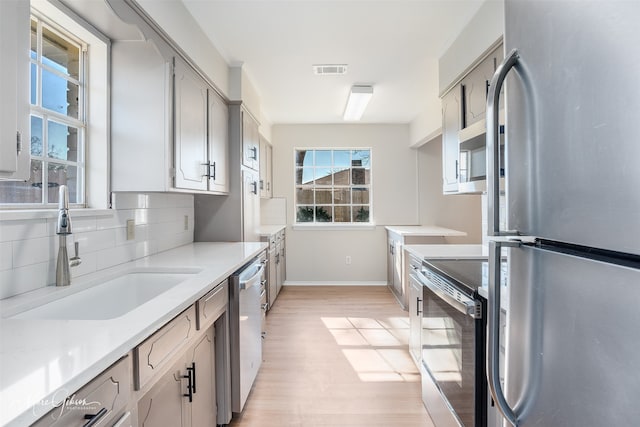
<point>472,160</point>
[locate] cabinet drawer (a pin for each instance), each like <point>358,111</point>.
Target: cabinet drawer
<point>154,353</point>
<point>212,305</point>
<point>103,397</point>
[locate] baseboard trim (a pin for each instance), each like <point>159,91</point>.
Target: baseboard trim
<point>334,283</point>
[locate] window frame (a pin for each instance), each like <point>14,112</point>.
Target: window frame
<point>46,115</point>
<point>97,182</point>
<point>332,188</point>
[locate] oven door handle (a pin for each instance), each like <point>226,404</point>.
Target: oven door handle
<point>462,303</point>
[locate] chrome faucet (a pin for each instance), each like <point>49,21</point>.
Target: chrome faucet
<point>63,229</point>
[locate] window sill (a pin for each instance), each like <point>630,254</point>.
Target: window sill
<point>333,226</point>
<point>12,215</point>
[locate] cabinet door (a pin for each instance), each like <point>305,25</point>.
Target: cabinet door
<point>451,121</point>
<point>269,173</point>
<point>415,320</point>
<point>201,357</point>
<point>218,144</point>
<point>282,265</point>
<point>272,280</point>
<point>250,206</point>
<point>397,267</point>
<point>390,263</point>
<point>250,142</point>
<point>14,86</point>
<point>163,405</point>
<point>264,158</point>
<point>190,129</point>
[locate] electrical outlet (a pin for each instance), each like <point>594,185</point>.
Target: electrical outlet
<point>131,229</point>
<point>186,222</point>
<point>347,260</point>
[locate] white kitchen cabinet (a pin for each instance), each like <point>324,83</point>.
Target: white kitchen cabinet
<point>415,310</point>
<point>14,86</point>
<point>106,397</point>
<point>452,113</point>
<point>281,261</point>
<point>218,144</point>
<point>250,141</point>
<point>190,109</point>
<point>236,217</point>
<point>394,263</point>
<point>266,172</point>
<point>169,127</point>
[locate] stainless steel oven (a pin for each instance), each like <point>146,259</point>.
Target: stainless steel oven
<point>453,370</point>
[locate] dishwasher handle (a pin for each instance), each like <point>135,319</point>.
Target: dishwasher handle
<point>251,281</point>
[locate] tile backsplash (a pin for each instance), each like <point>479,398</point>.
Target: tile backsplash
<point>29,247</point>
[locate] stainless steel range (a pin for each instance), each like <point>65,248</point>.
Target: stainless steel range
<point>454,386</point>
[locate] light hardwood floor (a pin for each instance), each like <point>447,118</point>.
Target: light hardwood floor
<point>336,356</point>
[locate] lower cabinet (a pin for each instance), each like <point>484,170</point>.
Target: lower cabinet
<point>186,395</point>
<point>277,264</point>
<point>415,313</point>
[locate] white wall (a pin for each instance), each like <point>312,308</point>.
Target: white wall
<point>486,26</point>
<point>29,247</point>
<point>456,211</point>
<point>319,255</point>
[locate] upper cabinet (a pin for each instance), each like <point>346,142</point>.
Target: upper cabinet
<point>190,103</point>
<point>266,173</point>
<point>169,126</point>
<point>14,86</point>
<point>250,141</point>
<point>462,106</point>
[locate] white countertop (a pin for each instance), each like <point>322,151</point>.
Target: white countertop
<point>43,361</point>
<point>448,251</point>
<point>423,230</point>
<point>268,230</point>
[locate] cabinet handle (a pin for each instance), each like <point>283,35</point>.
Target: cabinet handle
<point>214,170</point>
<point>456,170</point>
<point>463,106</point>
<point>189,378</point>
<point>418,311</point>
<point>255,153</point>
<point>94,418</point>
<point>208,166</point>
<point>268,186</point>
<point>254,184</point>
<point>18,142</point>
<point>192,369</point>
<point>262,184</point>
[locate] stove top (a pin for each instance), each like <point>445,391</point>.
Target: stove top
<point>469,274</point>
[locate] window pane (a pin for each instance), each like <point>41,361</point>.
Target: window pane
<point>62,141</point>
<point>341,177</point>
<point>59,54</point>
<point>323,213</point>
<point>343,214</point>
<point>324,176</point>
<point>360,176</point>
<point>24,192</point>
<point>304,176</point>
<point>304,157</point>
<point>304,195</point>
<point>360,195</point>
<point>341,196</point>
<point>323,197</point>
<point>34,38</point>
<point>62,175</point>
<point>33,91</point>
<point>323,157</point>
<point>59,95</point>
<point>304,214</point>
<point>361,158</point>
<point>36,136</point>
<point>361,214</point>
<point>342,158</point>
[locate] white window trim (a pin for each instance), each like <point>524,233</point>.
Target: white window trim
<point>324,226</point>
<point>98,105</point>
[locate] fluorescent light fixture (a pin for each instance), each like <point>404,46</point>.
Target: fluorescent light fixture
<point>358,99</point>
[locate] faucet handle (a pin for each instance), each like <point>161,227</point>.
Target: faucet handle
<point>76,246</point>
<point>75,260</point>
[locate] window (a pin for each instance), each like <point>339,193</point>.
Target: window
<point>57,118</point>
<point>333,185</point>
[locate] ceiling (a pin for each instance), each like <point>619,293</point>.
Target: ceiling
<point>392,44</point>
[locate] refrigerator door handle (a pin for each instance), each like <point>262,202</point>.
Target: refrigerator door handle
<point>493,144</point>
<point>493,329</point>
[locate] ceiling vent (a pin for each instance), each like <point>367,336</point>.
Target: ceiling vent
<point>330,69</point>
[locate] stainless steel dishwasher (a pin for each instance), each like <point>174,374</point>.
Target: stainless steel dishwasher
<point>245,329</point>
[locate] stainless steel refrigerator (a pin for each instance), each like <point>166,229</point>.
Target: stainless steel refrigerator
<point>572,236</point>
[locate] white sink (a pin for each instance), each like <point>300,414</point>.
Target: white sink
<point>110,299</point>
